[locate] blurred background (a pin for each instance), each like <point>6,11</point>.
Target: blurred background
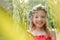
<point>14,20</point>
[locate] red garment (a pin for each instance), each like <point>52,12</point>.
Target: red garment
<point>42,37</point>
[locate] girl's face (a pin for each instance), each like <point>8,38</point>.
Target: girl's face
<point>39,18</point>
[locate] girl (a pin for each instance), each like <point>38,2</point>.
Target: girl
<point>38,24</point>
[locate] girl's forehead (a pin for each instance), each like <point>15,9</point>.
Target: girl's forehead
<point>39,13</point>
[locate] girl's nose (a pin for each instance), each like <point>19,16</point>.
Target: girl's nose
<point>39,18</point>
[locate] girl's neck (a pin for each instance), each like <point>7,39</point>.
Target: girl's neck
<point>38,32</point>
<point>39,29</point>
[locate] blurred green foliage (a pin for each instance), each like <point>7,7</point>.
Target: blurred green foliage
<point>14,17</point>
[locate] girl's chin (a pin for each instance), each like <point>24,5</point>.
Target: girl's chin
<point>40,25</point>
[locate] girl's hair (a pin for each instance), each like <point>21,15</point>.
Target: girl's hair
<point>37,8</point>
<point>34,9</point>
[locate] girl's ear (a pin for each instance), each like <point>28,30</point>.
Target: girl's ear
<point>46,20</point>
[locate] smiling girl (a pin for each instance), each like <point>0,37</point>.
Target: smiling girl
<point>38,24</point>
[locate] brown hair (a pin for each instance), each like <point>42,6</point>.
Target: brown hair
<point>34,9</point>
<point>37,8</point>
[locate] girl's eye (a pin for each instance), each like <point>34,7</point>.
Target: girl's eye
<point>36,17</point>
<point>39,16</point>
<point>42,16</point>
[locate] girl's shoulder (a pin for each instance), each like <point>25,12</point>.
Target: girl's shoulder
<point>53,34</point>
<point>29,32</point>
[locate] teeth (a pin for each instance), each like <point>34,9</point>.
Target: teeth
<point>39,22</point>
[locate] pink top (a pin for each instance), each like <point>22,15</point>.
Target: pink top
<point>42,37</point>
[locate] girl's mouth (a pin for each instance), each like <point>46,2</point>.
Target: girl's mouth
<point>39,23</point>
